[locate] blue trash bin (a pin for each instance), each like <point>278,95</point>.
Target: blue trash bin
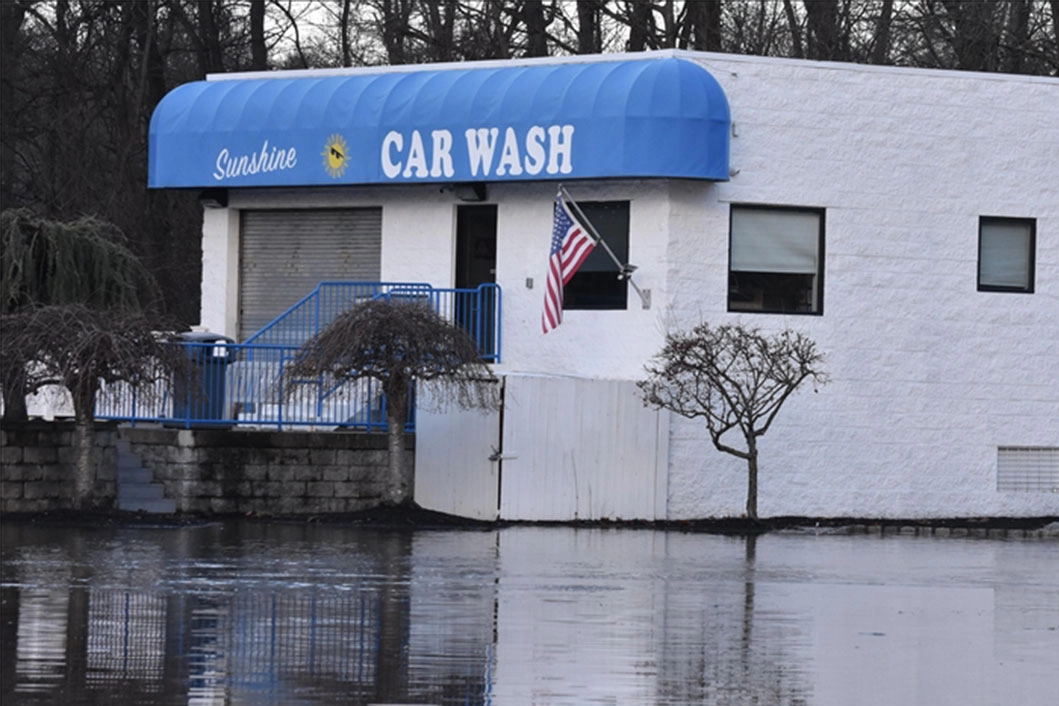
<point>199,392</point>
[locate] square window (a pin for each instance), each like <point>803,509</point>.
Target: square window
<point>596,284</point>
<point>776,260</point>
<point>1006,254</point>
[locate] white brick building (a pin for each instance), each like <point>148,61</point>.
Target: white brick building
<point>922,209</point>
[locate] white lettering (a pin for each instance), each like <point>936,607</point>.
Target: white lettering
<point>222,159</point>
<point>417,157</point>
<point>513,153</point>
<point>393,140</point>
<point>509,159</point>
<point>480,146</point>
<point>560,148</point>
<point>441,150</point>
<point>535,150</point>
<point>266,160</point>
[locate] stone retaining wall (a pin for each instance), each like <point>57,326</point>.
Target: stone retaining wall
<point>37,461</point>
<point>204,471</point>
<point>223,471</point>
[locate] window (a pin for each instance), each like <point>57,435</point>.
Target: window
<point>596,284</point>
<point>776,260</point>
<point>1005,254</point>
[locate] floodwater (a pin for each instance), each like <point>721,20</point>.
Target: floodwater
<point>257,613</point>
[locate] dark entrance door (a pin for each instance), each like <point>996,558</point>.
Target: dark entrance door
<point>475,265</point>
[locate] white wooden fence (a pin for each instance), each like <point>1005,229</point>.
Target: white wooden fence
<point>561,448</point>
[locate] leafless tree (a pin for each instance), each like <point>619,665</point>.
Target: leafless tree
<point>735,379</point>
<point>80,349</point>
<point>399,342</point>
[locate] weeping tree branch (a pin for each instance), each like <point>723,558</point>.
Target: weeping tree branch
<point>399,342</point>
<point>82,349</point>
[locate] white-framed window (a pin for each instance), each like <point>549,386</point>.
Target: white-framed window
<point>776,259</point>
<point>1006,254</point>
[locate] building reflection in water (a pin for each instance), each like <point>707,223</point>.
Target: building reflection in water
<point>201,626</point>
<point>251,613</point>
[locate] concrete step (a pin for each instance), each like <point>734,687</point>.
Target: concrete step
<point>161,505</point>
<point>137,491</point>
<point>141,491</point>
<point>134,475</point>
<point>128,461</point>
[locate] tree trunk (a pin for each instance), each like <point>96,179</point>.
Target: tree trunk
<point>258,52</point>
<point>821,17</point>
<point>84,467</point>
<point>704,23</point>
<point>210,59</point>
<point>14,386</point>
<point>400,484</point>
<point>880,53</point>
<point>536,34</point>
<point>639,25</point>
<point>588,39</point>
<point>796,33</point>
<point>84,399</point>
<point>751,488</point>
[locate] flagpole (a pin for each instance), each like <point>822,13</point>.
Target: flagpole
<point>624,271</point>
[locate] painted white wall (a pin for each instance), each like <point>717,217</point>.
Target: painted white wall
<point>220,271</point>
<point>929,375</point>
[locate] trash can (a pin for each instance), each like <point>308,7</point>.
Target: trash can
<point>199,391</point>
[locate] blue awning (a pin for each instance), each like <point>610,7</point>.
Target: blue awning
<point>665,117</point>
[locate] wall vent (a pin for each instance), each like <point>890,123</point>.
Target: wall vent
<point>1033,469</point>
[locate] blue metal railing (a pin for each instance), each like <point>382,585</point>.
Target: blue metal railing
<point>317,309</point>
<point>244,383</point>
<point>476,310</point>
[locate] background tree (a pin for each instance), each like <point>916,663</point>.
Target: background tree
<point>735,379</point>
<point>45,262</point>
<point>80,349</point>
<point>398,342</point>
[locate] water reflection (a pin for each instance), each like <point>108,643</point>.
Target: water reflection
<point>252,613</point>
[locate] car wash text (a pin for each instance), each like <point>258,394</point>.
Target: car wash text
<point>490,151</point>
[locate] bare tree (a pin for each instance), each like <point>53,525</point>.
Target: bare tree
<point>399,342</point>
<point>81,348</point>
<point>735,379</point>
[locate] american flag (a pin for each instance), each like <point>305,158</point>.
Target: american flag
<point>571,244</point>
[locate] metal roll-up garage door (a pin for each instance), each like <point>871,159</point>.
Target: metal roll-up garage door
<point>284,254</point>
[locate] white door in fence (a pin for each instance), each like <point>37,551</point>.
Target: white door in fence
<point>581,449</point>
<point>454,471</point>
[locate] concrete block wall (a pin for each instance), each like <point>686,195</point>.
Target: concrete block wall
<point>37,462</point>
<point>291,472</point>
<point>929,375</point>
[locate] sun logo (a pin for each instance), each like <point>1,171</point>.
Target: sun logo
<point>336,156</point>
